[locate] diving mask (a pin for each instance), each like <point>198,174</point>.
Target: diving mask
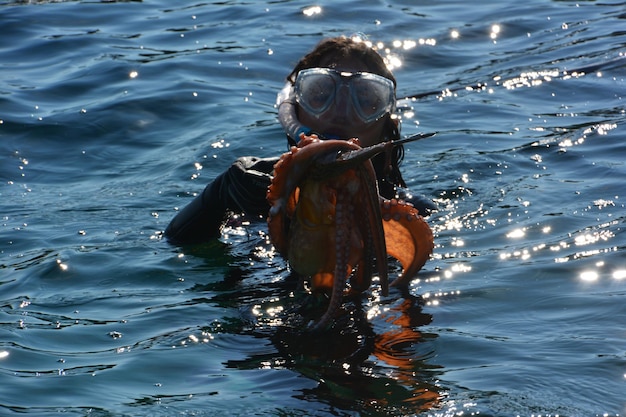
<point>371,95</point>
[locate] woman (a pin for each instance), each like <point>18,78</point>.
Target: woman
<point>342,89</point>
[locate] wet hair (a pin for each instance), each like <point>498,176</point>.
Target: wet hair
<point>387,166</point>
<point>344,47</point>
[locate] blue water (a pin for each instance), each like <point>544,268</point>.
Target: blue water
<point>115,114</point>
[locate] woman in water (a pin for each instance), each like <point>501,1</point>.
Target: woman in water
<point>340,90</point>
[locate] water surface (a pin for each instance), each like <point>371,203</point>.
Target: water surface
<point>115,114</point>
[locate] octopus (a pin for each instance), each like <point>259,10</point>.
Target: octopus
<point>329,222</point>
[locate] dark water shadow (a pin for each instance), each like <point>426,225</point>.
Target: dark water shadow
<point>373,366</point>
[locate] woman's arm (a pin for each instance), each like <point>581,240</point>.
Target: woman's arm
<point>241,189</point>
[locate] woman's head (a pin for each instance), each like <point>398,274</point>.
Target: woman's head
<point>362,95</point>
<point>340,118</point>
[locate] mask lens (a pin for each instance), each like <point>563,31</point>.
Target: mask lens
<point>315,91</point>
<point>372,95</point>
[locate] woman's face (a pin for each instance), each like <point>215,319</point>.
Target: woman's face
<point>341,120</point>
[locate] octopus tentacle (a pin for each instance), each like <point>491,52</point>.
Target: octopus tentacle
<point>375,226</point>
<point>362,278</point>
<point>409,238</point>
<point>342,252</point>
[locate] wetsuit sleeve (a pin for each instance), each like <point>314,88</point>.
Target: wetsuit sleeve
<point>242,188</point>
<point>423,204</point>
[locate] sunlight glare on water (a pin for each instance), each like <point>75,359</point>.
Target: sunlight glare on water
<point>115,115</point>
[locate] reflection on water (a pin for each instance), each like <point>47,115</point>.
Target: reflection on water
<point>521,306</point>
<point>370,359</point>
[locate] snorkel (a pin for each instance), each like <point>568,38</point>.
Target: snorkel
<point>286,103</point>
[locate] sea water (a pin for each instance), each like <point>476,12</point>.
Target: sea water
<point>115,114</point>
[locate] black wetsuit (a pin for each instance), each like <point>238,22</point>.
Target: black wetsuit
<point>243,189</point>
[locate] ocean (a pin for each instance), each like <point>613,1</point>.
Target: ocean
<point>116,114</point>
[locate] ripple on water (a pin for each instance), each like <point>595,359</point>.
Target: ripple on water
<point>114,113</point>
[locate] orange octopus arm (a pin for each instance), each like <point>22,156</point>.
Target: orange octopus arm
<point>408,237</point>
